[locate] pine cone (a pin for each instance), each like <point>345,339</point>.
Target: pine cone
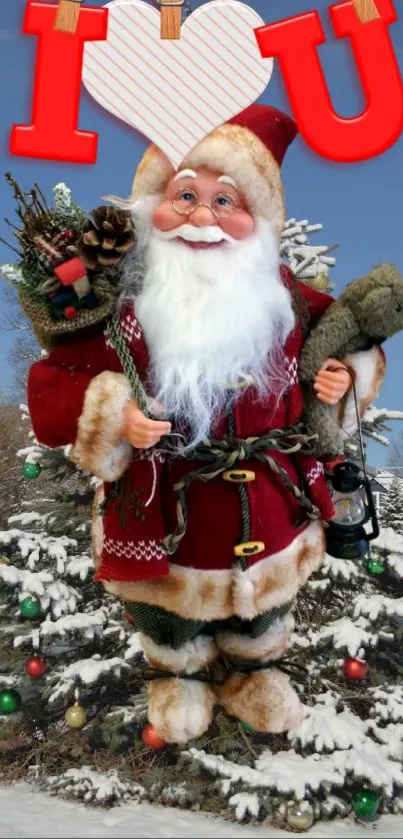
<point>106,237</point>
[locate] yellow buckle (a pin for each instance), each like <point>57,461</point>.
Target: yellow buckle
<point>249,548</point>
<point>239,476</point>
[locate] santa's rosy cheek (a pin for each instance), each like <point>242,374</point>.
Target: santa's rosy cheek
<point>165,218</point>
<point>239,226</point>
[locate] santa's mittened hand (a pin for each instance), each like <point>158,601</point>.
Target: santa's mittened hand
<point>141,432</point>
<point>332,382</point>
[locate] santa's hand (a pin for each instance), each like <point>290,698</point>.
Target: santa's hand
<point>332,382</point>
<point>141,432</point>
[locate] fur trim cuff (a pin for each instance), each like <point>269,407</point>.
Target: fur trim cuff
<point>217,595</point>
<point>99,447</point>
<point>268,647</point>
<point>189,658</point>
<point>369,371</point>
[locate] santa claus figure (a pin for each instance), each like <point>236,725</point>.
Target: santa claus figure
<point>213,510</point>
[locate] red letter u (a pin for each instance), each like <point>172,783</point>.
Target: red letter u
<point>347,140</point>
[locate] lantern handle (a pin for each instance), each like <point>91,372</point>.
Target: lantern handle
<point>372,512</point>
<point>359,426</point>
<point>371,504</point>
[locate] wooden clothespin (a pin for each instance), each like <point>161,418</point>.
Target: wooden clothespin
<point>171,19</point>
<point>366,10</point>
<point>67,15</point>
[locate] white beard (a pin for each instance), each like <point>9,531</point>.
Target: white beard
<point>210,318</point>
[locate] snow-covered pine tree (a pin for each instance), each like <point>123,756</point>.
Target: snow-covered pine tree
<point>392,508</point>
<point>52,614</point>
<point>346,756</point>
<point>308,262</point>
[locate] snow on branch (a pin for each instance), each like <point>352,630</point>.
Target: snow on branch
<point>286,772</point>
<point>373,414</point>
<point>93,787</point>
<point>136,712</point>
<point>390,737</point>
<point>134,646</point>
<point>245,803</point>
<point>33,546</point>
<point>369,765</point>
<point>86,671</point>
<point>345,634</point>
<point>54,595</point>
<point>87,625</point>
<point>389,540</point>
<point>340,569</point>
<point>395,561</point>
<point>79,566</point>
<point>305,260</point>
<point>375,420</point>
<point>378,605</point>
<point>388,703</point>
<point>26,519</point>
<point>326,730</point>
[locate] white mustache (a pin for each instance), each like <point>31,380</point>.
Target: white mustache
<point>196,234</point>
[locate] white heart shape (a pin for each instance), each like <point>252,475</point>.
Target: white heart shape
<point>177,92</point>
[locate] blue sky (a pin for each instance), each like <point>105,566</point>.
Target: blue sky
<point>360,205</point>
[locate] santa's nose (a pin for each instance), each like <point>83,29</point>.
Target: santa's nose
<point>202,217</point>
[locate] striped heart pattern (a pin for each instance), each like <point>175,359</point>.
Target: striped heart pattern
<point>177,92</point>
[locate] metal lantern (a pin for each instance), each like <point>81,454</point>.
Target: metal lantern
<point>354,506</point>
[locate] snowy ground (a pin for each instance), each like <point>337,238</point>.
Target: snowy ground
<point>25,814</point>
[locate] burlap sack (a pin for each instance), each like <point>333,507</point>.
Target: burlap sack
<point>49,331</point>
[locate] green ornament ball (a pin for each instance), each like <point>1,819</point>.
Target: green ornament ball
<point>10,701</point>
<point>31,470</point>
<point>30,608</point>
<point>365,803</point>
<point>376,567</point>
<point>248,728</point>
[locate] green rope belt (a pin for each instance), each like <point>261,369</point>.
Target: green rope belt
<point>218,455</point>
<point>222,455</point>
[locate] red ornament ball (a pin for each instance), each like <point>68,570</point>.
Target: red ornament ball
<point>70,313</point>
<point>151,738</point>
<point>129,617</point>
<point>35,666</point>
<point>355,669</point>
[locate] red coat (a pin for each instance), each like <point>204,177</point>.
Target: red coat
<point>60,385</point>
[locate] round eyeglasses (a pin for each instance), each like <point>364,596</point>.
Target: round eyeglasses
<point>222,205</point>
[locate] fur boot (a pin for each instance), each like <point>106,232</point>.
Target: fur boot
<point>180,709</point>
<point>264,699</point>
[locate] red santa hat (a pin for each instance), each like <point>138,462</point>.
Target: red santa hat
<point>248,148</point>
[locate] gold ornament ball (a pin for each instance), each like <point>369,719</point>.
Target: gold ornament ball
<point>4,560</point>
<point>76,716</point>
<point>300,815</point>
<point>320,282</point>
